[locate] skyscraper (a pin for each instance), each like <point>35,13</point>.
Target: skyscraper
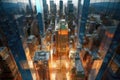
<point>62,37</point>
<point>39,7</point>
<point>8,67</point>
<point>41,65</point>
<point>84,17</point>
<point>30,5</point>
<point>70,11</point>
<point>46,12</point>
<point>110,68</point>
<point>61,8</point>
<point>10,30</point>
<point>62,53</point>
<point>51,6</point>
<point>53,10</point>
<point>79,11</point>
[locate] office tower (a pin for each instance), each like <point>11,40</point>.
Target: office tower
<point>65,11</point>
<point>69,5</point>
<point>70,9</point>
<point>39,7</point>
<point>53,10</point>
<point>110,65</point>
<point>32,43</point>
<point>9,27</point>
<point>79,67</point>
<point>95,48</point>
<point>51,6</point>
<point>62,37</point>
<point>83,21</point>
<point>30,5</point>
<point>11,8</point>
<point>45,9</point>
<point>79,12</point>
<point>61,9</point>
<point>41,65</point>
<point>99,50</point>
<point>113,69</point>
<point>46,12</point>
<point>14,6</point>
<point>8,67</point>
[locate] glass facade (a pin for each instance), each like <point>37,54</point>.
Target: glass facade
<point>72,31</point>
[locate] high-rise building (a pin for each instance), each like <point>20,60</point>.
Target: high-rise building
<point>46,12</point>
<point>53,10</point>
<point>85,46</point>
<point>79,11</point>
<point>51,6</point>
<point>110,68</point>
<point>61,8</point>
<point>8,67</point>
<point>70,18</point>
<point>70,6</point>
<point>62,37</point>
<point>99,51</point>
<point>83,21</point>
<point>32,43</point>
<point>10,30</point>
<point>15,6</point>
<point>41,65</point>
<point>30,5</point>
<point>39,7</point>
<point>113,68</point>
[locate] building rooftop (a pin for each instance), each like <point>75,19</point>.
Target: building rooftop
<point>2,48</point>
<point>41,56</point>
<point>30,38</point>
